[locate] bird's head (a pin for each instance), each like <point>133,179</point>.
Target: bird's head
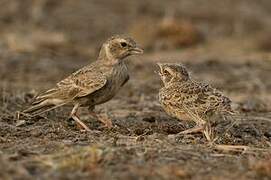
<point>118,48</point>
<point>170,72</point>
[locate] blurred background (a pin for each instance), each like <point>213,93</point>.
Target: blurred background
<point>88,22</point>
<point>42,29</point>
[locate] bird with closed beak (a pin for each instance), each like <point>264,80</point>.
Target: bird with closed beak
<point>93,84</point>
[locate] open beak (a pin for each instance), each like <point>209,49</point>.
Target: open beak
<point>160,68</point>
<point>136,50</point>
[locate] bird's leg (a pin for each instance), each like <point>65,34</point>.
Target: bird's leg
<point>76,118</point>
<point>205,129</point>
<point>198,128</point>
<point>195,129</point>
<point>103,118</point>
<point>201,125</point>
<point>208,132</point>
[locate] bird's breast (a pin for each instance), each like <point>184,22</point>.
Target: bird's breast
<point>116,78</point>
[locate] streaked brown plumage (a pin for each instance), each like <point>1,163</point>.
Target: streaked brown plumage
<point>94,84</point>
<point>186,99</point>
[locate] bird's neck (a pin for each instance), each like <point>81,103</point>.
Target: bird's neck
<point>181,80</point>
<point>107,57</point>
<point>174,81</point>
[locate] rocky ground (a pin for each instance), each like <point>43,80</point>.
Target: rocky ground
<point>44,41</point>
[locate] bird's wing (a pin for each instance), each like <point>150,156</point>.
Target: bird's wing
<point>82,83</point>
<point>207,99</point>
<point>197,97</point>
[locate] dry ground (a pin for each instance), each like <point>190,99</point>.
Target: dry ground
<point>143,143</point>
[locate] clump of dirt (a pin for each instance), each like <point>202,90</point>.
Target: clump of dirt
<point>16,170</point>
<point>263,167</point>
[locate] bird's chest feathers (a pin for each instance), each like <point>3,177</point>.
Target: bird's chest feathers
<point>118,77</point>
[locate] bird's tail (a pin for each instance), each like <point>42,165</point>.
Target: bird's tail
<point>36,107</point>
<point>45,102</point>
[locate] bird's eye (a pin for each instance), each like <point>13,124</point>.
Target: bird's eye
<point>166,72</point>
<point>123,44</point>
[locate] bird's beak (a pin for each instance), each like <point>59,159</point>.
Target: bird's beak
<point>136,50</point>
<point>160,68</point>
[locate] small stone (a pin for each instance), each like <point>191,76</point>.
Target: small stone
<point>36,133</point>
<point>267,134</point>
<point>20,123</point>
<point>149,119</point>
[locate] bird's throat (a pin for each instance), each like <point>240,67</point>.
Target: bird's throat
<point>107,57</point>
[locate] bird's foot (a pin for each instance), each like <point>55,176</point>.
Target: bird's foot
<point>103,119</point>
<point>196,129</point>
<point>205,129</point>
<point>80,124</point>
<point>106,121</point>
<point>83,128</point>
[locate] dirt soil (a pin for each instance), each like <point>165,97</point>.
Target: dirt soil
<point>44,41</point>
